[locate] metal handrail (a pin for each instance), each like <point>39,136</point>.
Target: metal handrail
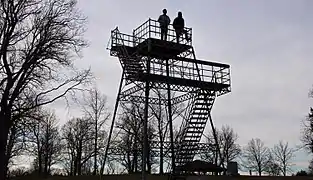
<point>151,29</point>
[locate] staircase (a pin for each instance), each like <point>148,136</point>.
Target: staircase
<point>132,67</point>
<point>132,64</point>
<point>194,127</point>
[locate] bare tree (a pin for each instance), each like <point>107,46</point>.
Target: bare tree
<point>130,141</point>
<point>230,149</point>
<point>39,40</point>
<point>21,171</point>
<point>78,140</point>
<point>310,168</point>
<point>160,113</point>
<point>130,138</point>
<point>17,134</point>
<point>307,132</point>
<point>43,141</point>
<point>256,156</point>
<point>112,168</point>
<point>272,167</point>
<point>282,155</point>
<point>19,131</point>
<point>16,142</point>
<point>95,108</point>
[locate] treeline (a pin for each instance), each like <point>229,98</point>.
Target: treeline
<point>78,146</point>
<point>39,43</point>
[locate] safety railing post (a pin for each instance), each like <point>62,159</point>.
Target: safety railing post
<point>112,38</point>
<point>191,36</point>
<point>149,29</point>
<point>134,39</point>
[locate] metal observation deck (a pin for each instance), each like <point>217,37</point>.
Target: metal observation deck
<point>151,63</point>
<point>187,74</point>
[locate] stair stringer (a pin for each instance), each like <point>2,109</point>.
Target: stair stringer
<point>194,126</point>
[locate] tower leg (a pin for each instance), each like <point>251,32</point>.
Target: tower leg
<point>145,148</point>
<point>112,125</point>
<point>145,133</point>
<point>218,154</point>
<point>169,103</point>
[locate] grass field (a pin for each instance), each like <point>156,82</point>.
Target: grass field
<point>159,177</point>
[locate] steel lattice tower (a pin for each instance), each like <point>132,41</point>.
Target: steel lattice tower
<point>149,63</point>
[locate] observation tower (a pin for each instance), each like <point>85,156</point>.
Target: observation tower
<point>149,65</point>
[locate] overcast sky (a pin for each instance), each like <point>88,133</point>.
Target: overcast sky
<point>268,44</point>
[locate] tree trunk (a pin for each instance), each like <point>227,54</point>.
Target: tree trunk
<point>284,170</point>
<point>6,164</point>
<point>135,160</point>
<point>96,139</point>
<point>216,159</point>
<point>75,166</point>
<point>95,158</point>
<point>46,164</point>
<point>39,162</point>
<point>129,162</point>
<point>4,131</point>
<point>46,150</point>
<point>161,145</point>
<point>9,147</point>
<point>259,171</point>
<point>161,157</point>
<point>135,150</point>
<point>149,158</point>
<point>49,165</point>
<point>102,169</point>
<point>72,164</point>
<point>79,165</point>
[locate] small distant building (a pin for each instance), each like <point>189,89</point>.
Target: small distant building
<point>199,166</point>
<point>232,168</point>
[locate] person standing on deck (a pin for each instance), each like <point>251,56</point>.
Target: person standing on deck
<point>179,25</point>
<point>164,21</point>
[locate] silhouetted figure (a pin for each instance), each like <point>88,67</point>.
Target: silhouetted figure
<point>164,21</point>
<point>179,25</point>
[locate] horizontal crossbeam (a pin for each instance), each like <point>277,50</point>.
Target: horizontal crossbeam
<point>200,148</point>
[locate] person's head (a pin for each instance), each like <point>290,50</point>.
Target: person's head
<point>164,11</point>
<point>180,14</point>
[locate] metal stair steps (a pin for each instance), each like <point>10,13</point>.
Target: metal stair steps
<point>192,131</point>
<point>190,140</point>
<point>197,123</point>
<point>132,64</point>
<point>201,104</point>
<point>204,99</point>
<point>198,117</point>
<point>201,108</point>
<point>200,113</point>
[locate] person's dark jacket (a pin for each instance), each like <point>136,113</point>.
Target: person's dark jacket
<point>179,23</point>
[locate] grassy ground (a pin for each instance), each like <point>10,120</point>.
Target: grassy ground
<point>158,177</point>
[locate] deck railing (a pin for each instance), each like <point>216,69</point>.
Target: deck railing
<point>121,39</point>
<point>151,29</point>
<point>209,72</point>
